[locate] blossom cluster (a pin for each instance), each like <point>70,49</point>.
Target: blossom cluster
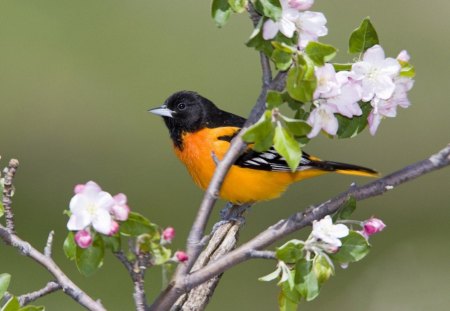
<point>93,209</point>
<point>374,79</point>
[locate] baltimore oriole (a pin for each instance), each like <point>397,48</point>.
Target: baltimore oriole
<point>199,129</point>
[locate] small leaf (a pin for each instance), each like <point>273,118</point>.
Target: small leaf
<point>281,59</point>
<point>90,259</point>
<point>320,53</point>
<point>11,305</point>
<point>282,46</point>
<point>271,276</point>
<point>269,8</point>
<point>274,99</point>
<point>5,279</point>
<point>286,304</point>
<point>350,127</point>
<point>363,37</point>
<point>322,268</point>
<point>2,209</point>
<point>160,254</point>
<point>342,67</point>
<point>287,146</point>
<point>220,12</point>
<point>297,127</point>
<point>237,6</point>
<point>407,70</point>
<point>69,246</point>
<point>306,280</point>
<point>136,224</point>
<point>290,252</point>
<point>346,210</point>
<point>301,81</point>
<point>354,248</point>
<point>112,242</point>
<point>261,133</point>
<point>257,41</point>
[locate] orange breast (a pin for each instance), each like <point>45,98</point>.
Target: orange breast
<point>241,185</point>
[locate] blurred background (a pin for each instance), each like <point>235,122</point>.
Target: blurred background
<point>76,80</point>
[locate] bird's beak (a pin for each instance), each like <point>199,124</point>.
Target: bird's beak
<point>162,111</point>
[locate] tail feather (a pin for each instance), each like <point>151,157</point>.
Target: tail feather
<point>342,168</point>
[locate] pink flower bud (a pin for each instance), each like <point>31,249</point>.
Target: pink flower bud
<point>114,228</point>
<point>372,226</point>
<point>83,238</point>
<point>168,234</point>
<point>181,256</point>
<point>120,210</point>
<point>301,5</point>
<point>78,188</point>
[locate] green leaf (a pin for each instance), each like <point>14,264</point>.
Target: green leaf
<point>322,268</point>
<point>407,70</point>
<point>2,209</point>
<point>354,248</point>
<point>286,304</point>
<point>306,280</point>
<point>285,47</point>
<point>167,272</point>
<point>257,41</point>
<point>237,6</point>
<point>287,146</point>
<point>269,8</point>
<point>274,99</point>
<point>136,224</point>
<point>341,67</point>
<point>220,12</point>
<point>160,254</point>
<point>290,252</point>
<point>281,59</point>
<point>69,246</point>
<point>298,128</point>
<point>112,242</point>
<point>271,276</point>
<point>346,210</point>
<point>261,133</point>
<point>301,81</point>
<point>320,53</point>
<point>32,308</point>
<point>363,37</point>
<point>350,127</point>
<point>11,305</point>
<point>90,259</point>
<point>5,278</point>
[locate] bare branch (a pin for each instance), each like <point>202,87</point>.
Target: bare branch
<point>254,254</point>
<point>49,288</point>
<point>8,192</point>
<point>48,245</point>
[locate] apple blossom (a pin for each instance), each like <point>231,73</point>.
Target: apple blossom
<point>91,206</point>
<point>376,74</point>
<point>310,26</point>
<point>327,84</point>
<point>322,117</point>
<point>403,56</point>
<point>83,238</point>
<point>114,228</point>
<point>300,5</point>
<point>325,231</point>
<point>285,25</point>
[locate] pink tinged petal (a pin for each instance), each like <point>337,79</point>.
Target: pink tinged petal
<point>374,121</point>
<point>301,5</point>
<point>359,70</point>
<point>78,188</point>
<point>368,90</point>
<point>331,126</point>
<point>390,67</point>
<point>373,225</point>
<point>287,27</point>
<point>78,203</point>
<point>340,230</point>
<point>79,220</point>
<point>403,56</point>
<point>104,201</point>
<point>83,239</point>
<point>92,185</point>
<point>270,29</point>
<point>120,199</point>
<point>102,221</point>
<point>114,228</point>
<point>384,87</point>
<point>374,55</point>
<point>120,212</point>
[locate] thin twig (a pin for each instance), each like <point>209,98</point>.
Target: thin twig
<point>49,288</point>
<point>255,254</point>
<point>48,245</point>
<point>8,192</point>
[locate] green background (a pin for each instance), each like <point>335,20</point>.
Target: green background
<point>76,79</point>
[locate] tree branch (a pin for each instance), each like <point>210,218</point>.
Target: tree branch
<point>49,288</point>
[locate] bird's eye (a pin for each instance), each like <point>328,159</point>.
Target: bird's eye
<point>181,106</point>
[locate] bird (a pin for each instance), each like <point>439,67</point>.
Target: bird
<point>201,134</point>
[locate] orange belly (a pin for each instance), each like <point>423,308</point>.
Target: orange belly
<point>241,185</point>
